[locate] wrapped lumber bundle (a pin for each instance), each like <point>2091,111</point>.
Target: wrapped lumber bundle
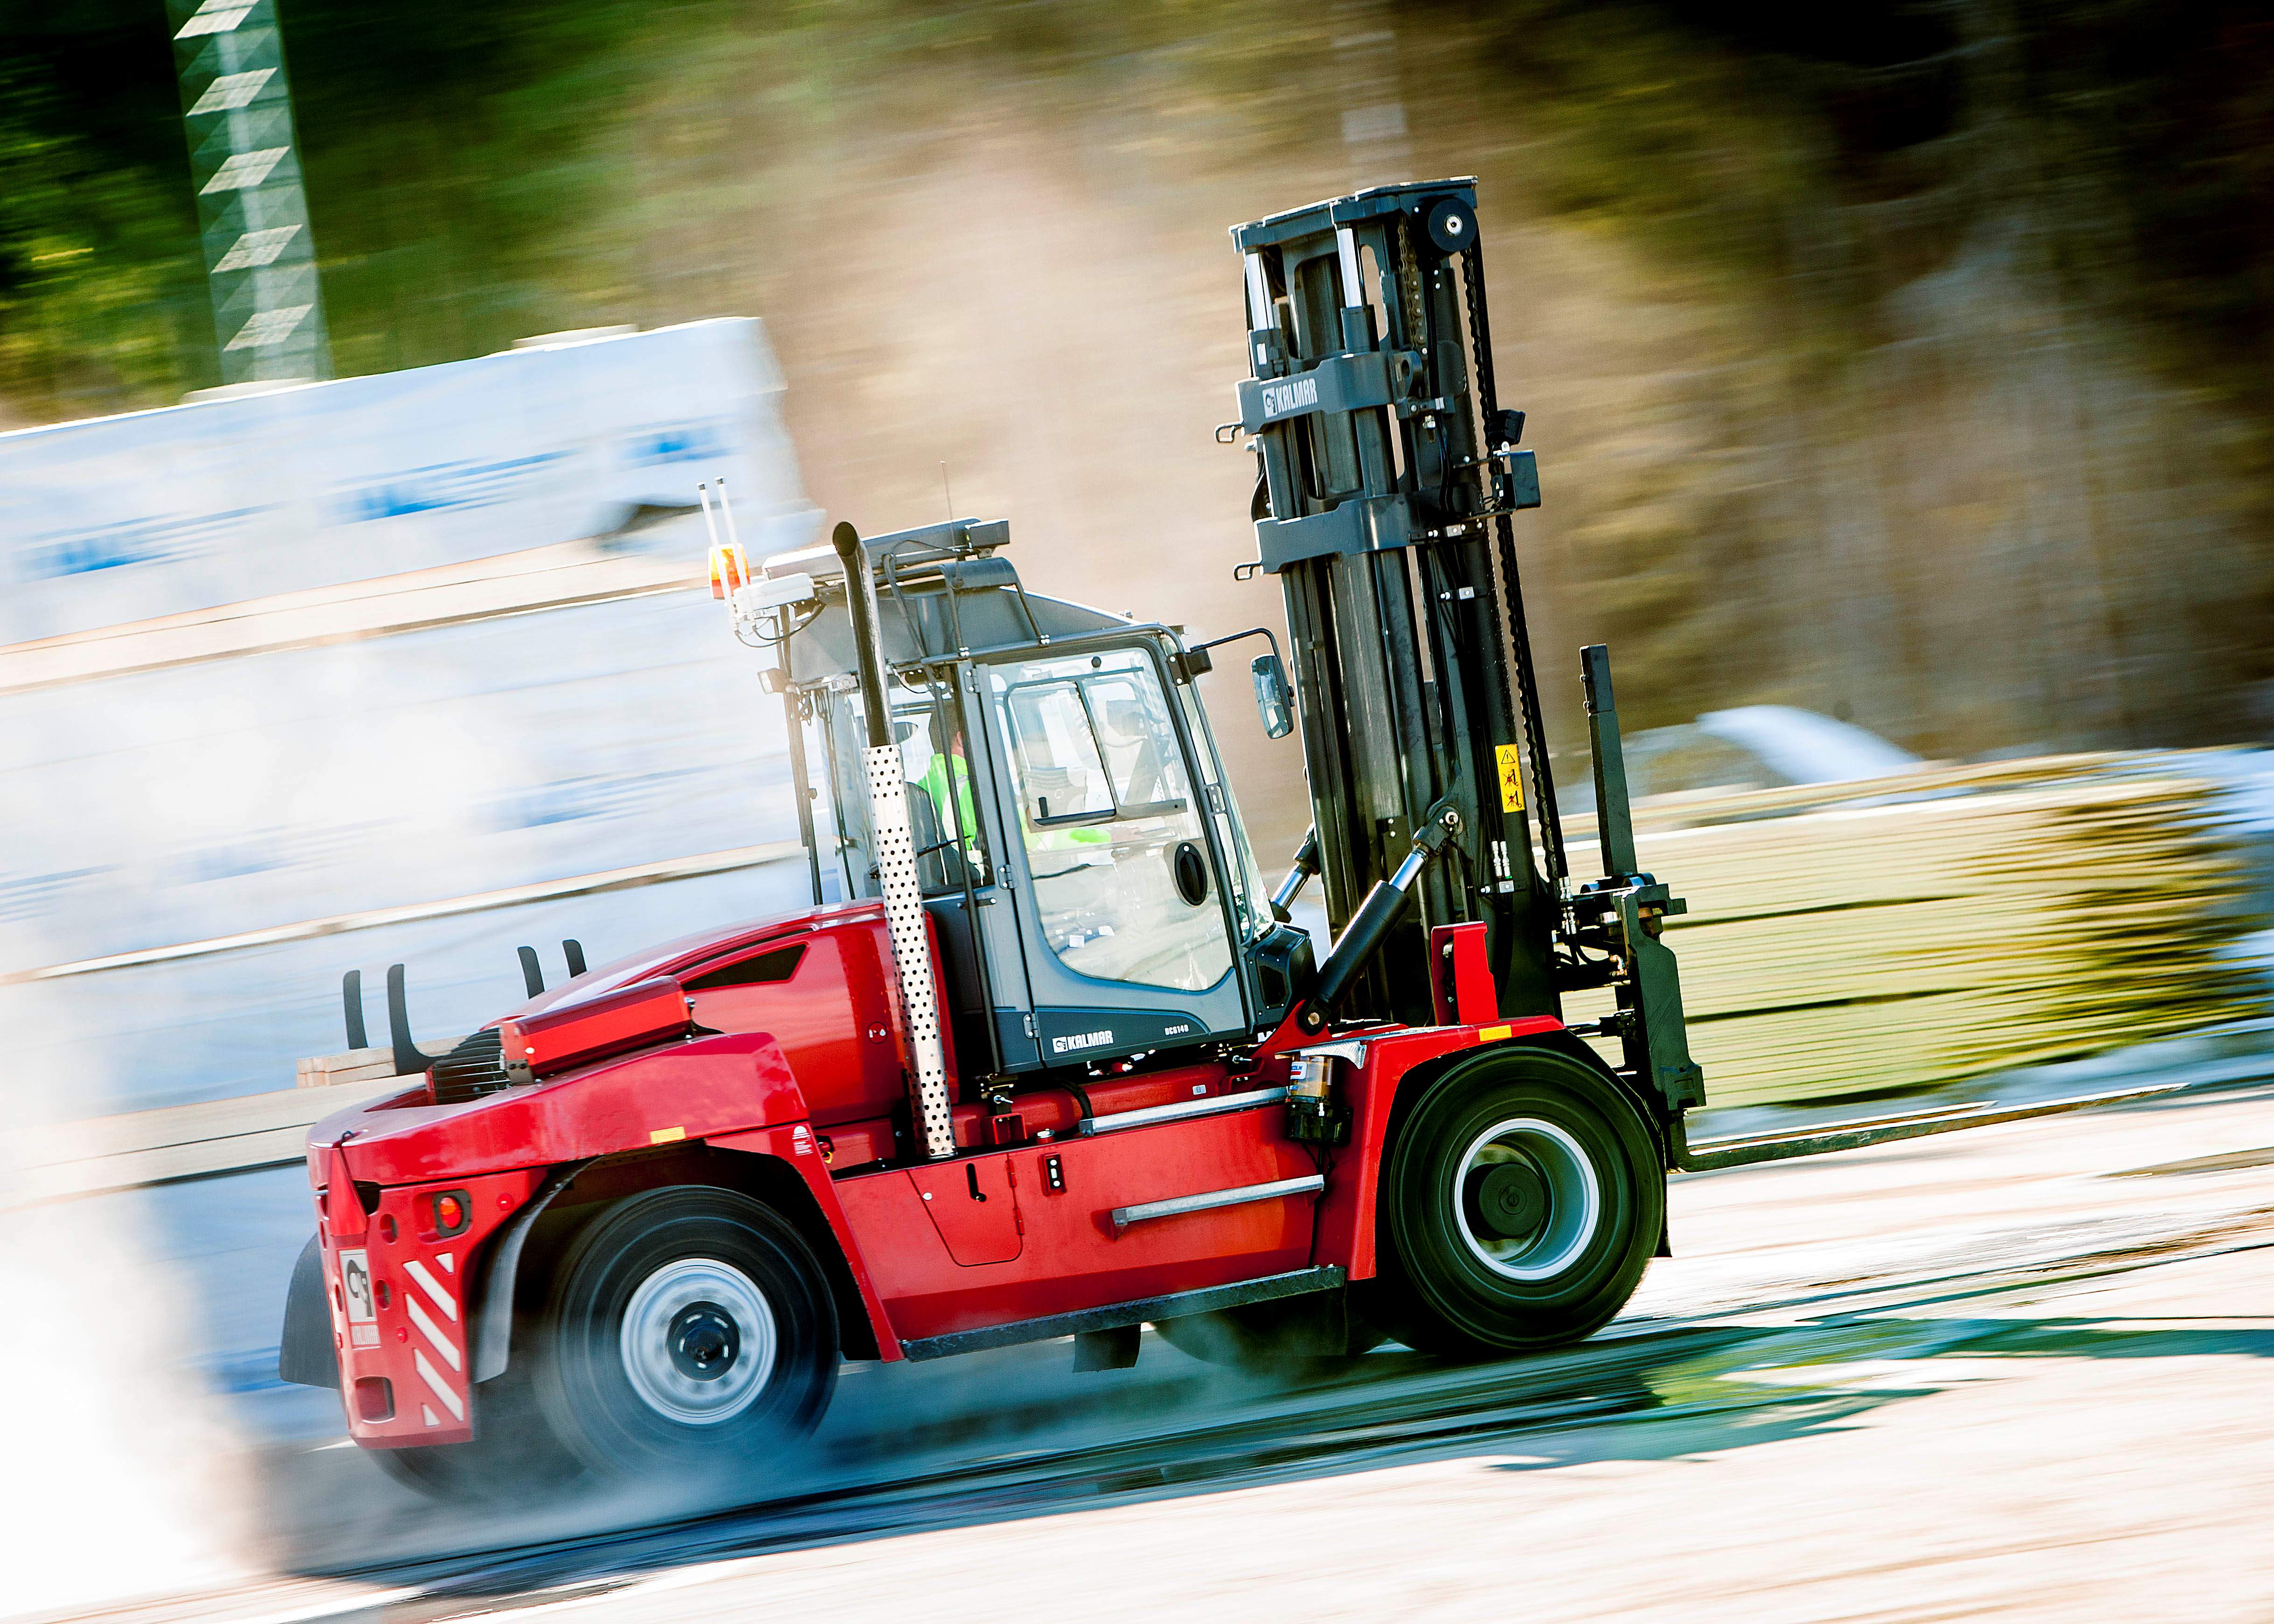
<point>1898,934</point>
<point>374,1066</point>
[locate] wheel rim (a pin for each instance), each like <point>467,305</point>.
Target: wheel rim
<point>1527,1198</point>
<point>698,1341</point>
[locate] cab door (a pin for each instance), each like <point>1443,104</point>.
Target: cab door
<point>1128,937</point>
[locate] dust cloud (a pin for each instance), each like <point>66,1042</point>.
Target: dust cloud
<point>124,1478</point>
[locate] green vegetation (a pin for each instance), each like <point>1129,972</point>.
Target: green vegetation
<point>466,161</point>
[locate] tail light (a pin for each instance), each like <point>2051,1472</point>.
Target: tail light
<point>450,1211</point>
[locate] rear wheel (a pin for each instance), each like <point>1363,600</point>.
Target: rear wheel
<point>1519,1206</point>
<point>686,1323</point>
<point>513,1452</point>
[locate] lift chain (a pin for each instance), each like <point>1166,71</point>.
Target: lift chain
<point>1535,731</point>
<point>1409,286</point>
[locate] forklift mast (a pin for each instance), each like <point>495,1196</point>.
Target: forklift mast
<point>1386,476</point>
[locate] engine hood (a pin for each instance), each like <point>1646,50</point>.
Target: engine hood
<point>692,1088</point>
<point>684,955</point>
<point>699,1089</point>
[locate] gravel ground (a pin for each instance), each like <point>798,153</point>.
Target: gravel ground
<point>2020,1372</point>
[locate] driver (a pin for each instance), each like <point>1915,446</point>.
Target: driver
<point>947,779</point>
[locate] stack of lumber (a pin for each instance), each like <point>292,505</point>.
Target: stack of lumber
<point>100,1153</point>
<point>1900,934</point>
<point>174,1142</point>
<point>373,1066</point>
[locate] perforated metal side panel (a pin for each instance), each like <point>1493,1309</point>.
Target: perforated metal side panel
<point>904,920</point>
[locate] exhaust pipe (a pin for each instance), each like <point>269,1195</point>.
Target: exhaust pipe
<point>896,862</point>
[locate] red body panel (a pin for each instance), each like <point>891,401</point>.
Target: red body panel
<point>1462,989</point>
<point>808,1070</point>
<point>1069,1255</point>
<point>795,1146</point>
<point>411,1328</point>
<point>833,1016</point>
<point>688,1090</point>
<point>615,1023</point>
<point>1346,1230</point>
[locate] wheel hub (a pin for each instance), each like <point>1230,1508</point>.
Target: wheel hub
<point>1507,1199</point>
<point>698,1341</point>
<point>1527,1198</point>
<point>703,1340</point>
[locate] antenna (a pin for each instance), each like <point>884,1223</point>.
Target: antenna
<point>709,523</point>
<point>727,509</point>
<point>946,491</point>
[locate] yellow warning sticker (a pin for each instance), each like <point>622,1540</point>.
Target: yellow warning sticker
<point>666,1136</point>
<point>1510,758</point>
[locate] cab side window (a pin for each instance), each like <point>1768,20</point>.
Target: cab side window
<point>943,818</point>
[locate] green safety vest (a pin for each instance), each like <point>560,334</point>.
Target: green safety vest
<point>949,773</point>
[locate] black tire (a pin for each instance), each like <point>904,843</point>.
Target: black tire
<point>1291,1336</point>
<point>513,1455</point>
<point>1476,1261</point>
<point>685,1324</point>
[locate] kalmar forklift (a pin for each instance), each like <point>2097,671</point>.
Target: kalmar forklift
<point>1059,1066</point>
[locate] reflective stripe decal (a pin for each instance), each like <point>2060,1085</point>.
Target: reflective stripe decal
<point>432,1287</point>
<point>432,1332</point>
<point>427,1410</point>
<point>441,1389</point>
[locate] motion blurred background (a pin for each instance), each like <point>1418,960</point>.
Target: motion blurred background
<point>1899,366</point>
<point>1905,362</point>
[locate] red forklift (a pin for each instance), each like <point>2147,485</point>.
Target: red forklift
<point>1063,1069</point>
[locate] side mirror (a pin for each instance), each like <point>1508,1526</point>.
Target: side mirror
<point>1275,700</point>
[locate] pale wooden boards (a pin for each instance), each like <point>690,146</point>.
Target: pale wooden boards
<point>176,1142</point>
<point>540,577</point>
<point>2020,912</point>
<point>482,902</point>
<point>373,1066</point>
<point>2015,913</point>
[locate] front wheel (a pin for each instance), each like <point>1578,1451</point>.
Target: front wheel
<point>685,1323</point>
<point>1519,1206</point>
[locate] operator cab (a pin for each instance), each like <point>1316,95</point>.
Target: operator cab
<point>1082,862</point>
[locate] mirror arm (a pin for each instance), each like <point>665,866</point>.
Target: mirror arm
<point>1253,631</point>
